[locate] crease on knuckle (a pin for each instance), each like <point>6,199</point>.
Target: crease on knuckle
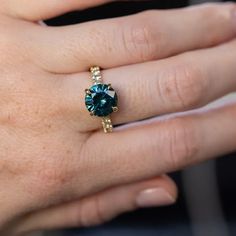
<point>182,87</point>
<point>183,143</point>
<point>100,213</point>
<point>219,16</point>
<point>90,213</point>
<point>218,11</point>
<point>139,40</point>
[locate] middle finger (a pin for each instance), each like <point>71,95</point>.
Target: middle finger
<point>133,39</point>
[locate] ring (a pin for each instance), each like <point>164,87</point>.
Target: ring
<point>101,99</point>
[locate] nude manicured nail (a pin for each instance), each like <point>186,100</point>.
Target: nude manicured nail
<point>154,197</point>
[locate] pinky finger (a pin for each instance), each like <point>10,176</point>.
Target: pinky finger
<point>35,10</point>
<point>101,207</point>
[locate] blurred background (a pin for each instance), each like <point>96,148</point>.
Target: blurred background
<point>206,205</point>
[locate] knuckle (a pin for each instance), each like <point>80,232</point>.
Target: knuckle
<point>18,45</point>
<point>57,169</point>
<point>90,214</point>
<point>182,86</point>
<point>30,102</point>
<point>49,181</point>
<point>12,42</point>
<point>6,42</point>
<point>218,11</point>
<point>183,143</point>
<point>218,18</point>
<point>139,38</point>
<point>44,177</point>
<point>52,174</point>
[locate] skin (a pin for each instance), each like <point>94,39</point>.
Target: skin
<point>57,167</point>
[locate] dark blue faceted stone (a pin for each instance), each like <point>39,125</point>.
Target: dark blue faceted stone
<point>101,99</point>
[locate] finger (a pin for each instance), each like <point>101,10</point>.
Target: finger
<point>35,10</point>
<point>176,84</point>
<point>168,144</point>
<point>127,40</point>
<point>103,206</point>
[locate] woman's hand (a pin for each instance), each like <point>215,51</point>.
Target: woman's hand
<point>58,169</point>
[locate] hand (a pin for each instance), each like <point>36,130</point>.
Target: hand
<point>56,164</point>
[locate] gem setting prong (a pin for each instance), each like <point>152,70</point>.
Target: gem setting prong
<point>115,109</point>
<point>87,91</point>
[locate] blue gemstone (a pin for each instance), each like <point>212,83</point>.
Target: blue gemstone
<point>101,99</point>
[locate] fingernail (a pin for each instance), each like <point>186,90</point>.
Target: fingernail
<point>154,197</point>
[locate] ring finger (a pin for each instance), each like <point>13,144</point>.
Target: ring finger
<point>176,84</point>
